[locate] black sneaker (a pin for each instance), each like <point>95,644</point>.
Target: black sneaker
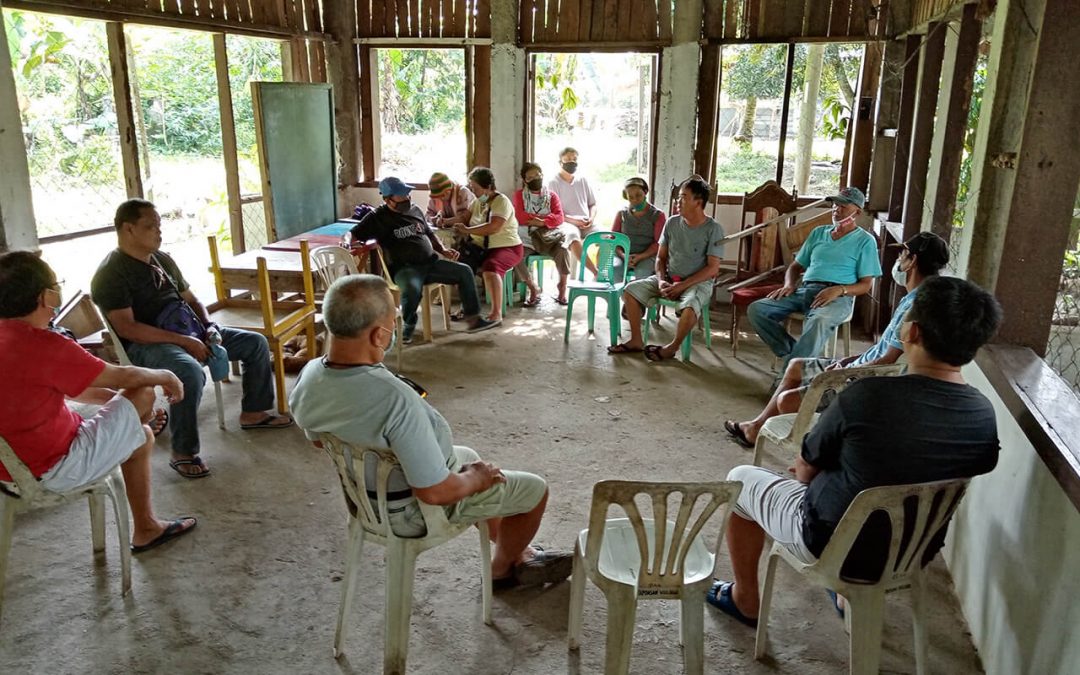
<point>407,334</point>
<point>483,324</point>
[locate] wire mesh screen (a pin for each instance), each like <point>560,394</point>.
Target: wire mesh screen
<point>61,69</point>
<point>1063,348</point>
<point>254,222</point>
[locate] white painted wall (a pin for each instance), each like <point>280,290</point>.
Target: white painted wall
<point>17,227</point>
<point>1014,555</point>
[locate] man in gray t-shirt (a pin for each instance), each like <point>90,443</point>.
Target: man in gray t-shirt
<point>351,395</point>
<point>691,247</point>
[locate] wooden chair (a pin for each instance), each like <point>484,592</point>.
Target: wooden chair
<point>32,496</point>
<point>762,257</point>
<point>786,432</point>
<point>916,513</point>
<point>369,521</point>
<point>276,320</point>
<point>638,558</point>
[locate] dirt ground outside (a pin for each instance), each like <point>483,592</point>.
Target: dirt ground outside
<point>255,588</point>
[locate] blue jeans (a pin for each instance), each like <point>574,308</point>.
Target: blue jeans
<point>251,349</point>
<point>411,279</point>
<point>768,317</point>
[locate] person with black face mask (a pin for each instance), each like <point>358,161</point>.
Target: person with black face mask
<point>417,257</point>
<point>539,215</point>
<point>578,202</point>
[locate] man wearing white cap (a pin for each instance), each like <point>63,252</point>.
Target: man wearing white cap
<point>837,263</point>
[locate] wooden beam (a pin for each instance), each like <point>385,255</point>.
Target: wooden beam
<point>788,75</point>
<point>125,117</point>
<point>862,131</point>
<point>482,106</point>
<point>923,130</point>
<point>905,119</point>
<point>1047,173</point>
<point>368,75</point>
<point>954,128</point>
<point>228,144</point>
<point>708,110</point>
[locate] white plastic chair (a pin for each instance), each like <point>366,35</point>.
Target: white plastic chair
<point>372,522</point>
<point>121,355</point>
<point>33,496</point>
<point>831,349</point>
<point>786,432</point>
<point>865,602</point>
<point>425,299</point>
<point>622,557</point>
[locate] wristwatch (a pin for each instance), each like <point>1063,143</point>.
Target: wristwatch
<point>843,290</point>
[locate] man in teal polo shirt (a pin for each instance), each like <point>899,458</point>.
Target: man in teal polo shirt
<point>837,263</point>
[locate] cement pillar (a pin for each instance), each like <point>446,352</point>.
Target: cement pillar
<point>17,226</point>
<point>997,138</point>
<point>509,78</point>
<point>678,100</point>
<point>1044,191</point>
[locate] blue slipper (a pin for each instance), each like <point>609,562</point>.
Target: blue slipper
<point>835,602</point>
<point>719,596</point>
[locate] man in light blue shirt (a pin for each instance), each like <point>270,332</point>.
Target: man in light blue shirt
<point>923,256</point>
<point>837,262</point>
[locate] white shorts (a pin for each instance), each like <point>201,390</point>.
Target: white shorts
<point>773,502</point>
<point>103,442</point>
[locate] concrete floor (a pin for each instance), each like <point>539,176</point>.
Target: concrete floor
<point>256,587</point>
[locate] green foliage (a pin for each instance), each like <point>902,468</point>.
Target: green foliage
<point>963,192</point>
<point>758,70</point>
<point>556,77</point>
<point>429,88</point>
<point>835,116</point>
<point>745,170</point>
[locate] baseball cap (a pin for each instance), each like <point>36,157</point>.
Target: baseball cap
<point>849,195</point>
<point>928,246</point>
<point>638,181</point>
<point>394,187</point>
<point>439,183</point>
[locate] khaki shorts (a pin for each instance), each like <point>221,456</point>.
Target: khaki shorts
<point>519,494</point>
<point>102,443</point>
<point>774,502</point>
<point>647,292</point>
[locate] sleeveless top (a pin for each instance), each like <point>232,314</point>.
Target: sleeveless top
<point>640,227</point>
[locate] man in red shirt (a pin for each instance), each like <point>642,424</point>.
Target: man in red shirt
<point>42,368</point>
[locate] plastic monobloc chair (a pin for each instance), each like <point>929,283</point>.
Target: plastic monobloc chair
<point>934,503</point>
<point>371,521</point>
<point>637,558</point>
<point>609,283</point>
<point>537,262</point>
<point>32,496</point>
<point>652,316</point>
<point>786,432</point>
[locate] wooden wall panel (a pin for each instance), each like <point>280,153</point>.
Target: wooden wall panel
<point>580,22</point>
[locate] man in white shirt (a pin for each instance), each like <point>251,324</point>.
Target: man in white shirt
<point>578,203</point>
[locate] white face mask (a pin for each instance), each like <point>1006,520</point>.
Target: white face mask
<point>898,274</point>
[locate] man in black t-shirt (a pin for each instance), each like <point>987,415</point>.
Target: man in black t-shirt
<point>417,257</point>
<point>925,426</point>
<point>133,286</point>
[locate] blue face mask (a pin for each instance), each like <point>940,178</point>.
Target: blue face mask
<point>393,339</point>
<point>483,199</point>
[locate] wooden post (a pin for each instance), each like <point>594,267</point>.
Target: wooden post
<point>228,144</point>
<point>125,119</point>
<point>343,71</point>
<point>470,90</point>
<point>368,73</point>
<point>905,119</point>
<point>1047,173</point>
<point>481,126</point>
<point>955,123</point>
<point>862,118</point>
<point>708,110</point>
<point>887,119</point>
<point>923,130</point>
<point>788,74</point>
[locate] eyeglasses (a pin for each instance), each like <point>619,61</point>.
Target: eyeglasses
<point>56,285</point>
<point>159,276</point>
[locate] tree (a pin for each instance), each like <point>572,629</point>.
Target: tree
<point>758,71</point>
<point>421,90</point>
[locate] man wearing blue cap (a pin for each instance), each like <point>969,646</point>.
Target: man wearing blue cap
<point>417,257</point>
<point>837,263</point>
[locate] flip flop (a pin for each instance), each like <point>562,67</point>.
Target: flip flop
<point>835,601</point>
<point>267,423</point>
<point>737,434</point>
<point>194,461</point>
<point>653,353</point>
<point>533,302</point>
<point>458,316</point>
<point>562,302</point>
<point>161,415</point>
<point>172,531</point>
<point>719,596</point>
<point>621,348</point>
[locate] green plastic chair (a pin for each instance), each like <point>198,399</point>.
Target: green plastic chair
<point>536,261</point>
<point>508,291</point>
<point>609,284</point>
<point>652,317</point>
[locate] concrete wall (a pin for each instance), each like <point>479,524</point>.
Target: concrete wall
<point>1014,555</point>
<point>17,227</point>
